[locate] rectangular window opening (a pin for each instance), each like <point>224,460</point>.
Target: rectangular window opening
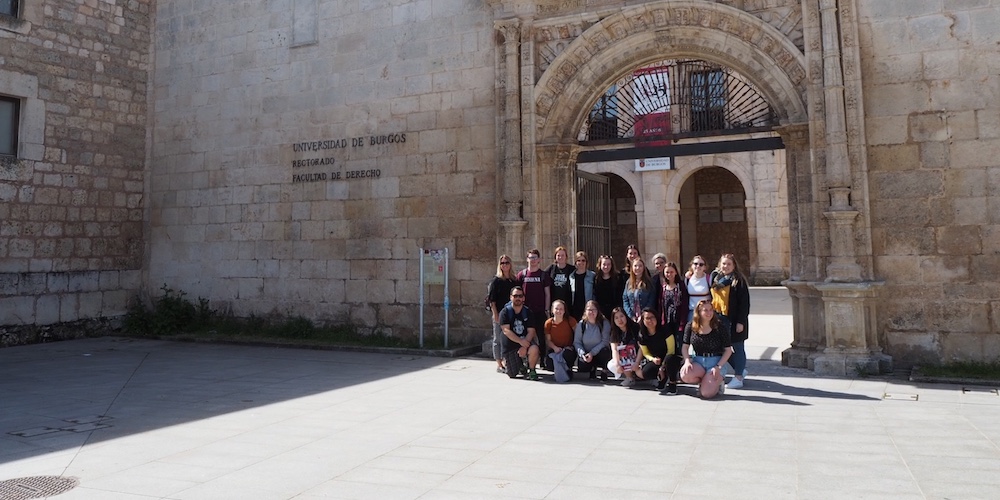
<point>9,119</point>
<point>9,7</point>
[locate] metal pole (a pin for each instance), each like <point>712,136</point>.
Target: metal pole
<point>421,257</point>
<point>447,303</point>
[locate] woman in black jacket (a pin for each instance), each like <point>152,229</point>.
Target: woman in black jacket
<point>499,291</point>
<point>731,298</point>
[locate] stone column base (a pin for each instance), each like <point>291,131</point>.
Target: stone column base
<point>835,329</point>
<point>798,357</point>
<point>510,239</point>
<point>851,363</point>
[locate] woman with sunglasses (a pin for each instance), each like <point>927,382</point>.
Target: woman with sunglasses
<point>500,286</point>
<point>697,284</point>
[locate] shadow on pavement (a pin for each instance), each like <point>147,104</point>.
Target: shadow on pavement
<point>53,395</point>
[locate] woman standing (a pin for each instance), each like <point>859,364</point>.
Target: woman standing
<point>708,336</point>
<point>592,340</point>
<point>607,291</point>
<point>638,293</point>
<point>559,272</point>
<point>659,260</point>
<point>660,361</point>
<point>559,336</point>
<point>500,288</point>
<point>624,346</point>
<point>581,285</point>
<point>672,301</point>
<point>697,284</point>
<point>731,298</point>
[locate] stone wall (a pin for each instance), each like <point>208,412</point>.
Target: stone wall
<point>393,102</point>
<point>932,99</point>
<point>71,205</point>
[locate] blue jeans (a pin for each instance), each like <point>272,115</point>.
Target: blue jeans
<point>498,337</point>
<point>739,358</point>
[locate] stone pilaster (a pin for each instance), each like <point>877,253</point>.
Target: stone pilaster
<point>510,171</point>
<point>509,133</point>
<point>801,202</point>
<point>555,195</point>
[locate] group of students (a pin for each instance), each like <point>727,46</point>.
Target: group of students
<point>657,327</point>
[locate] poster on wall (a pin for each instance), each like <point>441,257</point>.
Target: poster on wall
<point>708,216</point>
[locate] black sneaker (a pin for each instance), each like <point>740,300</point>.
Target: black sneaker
<point>604,375</point>
<point>671,390</point>
<point>660,384</point>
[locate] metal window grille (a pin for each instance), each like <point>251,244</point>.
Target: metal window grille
<point>674,99</point>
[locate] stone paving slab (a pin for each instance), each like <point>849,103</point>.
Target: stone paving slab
<point>193,421</point>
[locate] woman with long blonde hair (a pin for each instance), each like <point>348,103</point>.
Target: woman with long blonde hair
<point>499,291</point>
<point>708,336</point>
<point>638,293</point>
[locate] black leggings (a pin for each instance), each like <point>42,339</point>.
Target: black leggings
<point>600,361</point>
<point>671,366</point>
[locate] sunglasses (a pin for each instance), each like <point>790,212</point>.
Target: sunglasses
<point>506,262</point>
<point>699,264</point>
<point>518,296</point>
<point>532,257</point>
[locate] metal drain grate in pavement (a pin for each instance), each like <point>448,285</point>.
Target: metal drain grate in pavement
<point>24,488</point>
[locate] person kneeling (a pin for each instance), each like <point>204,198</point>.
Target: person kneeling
<point>709,337</point>
<point>592,341</point>
<point>660,363</point>
<point>520,340</point>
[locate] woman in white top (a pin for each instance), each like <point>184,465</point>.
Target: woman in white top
<point>698,286</point>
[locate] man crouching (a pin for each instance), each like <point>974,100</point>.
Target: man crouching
<point>521,339</point>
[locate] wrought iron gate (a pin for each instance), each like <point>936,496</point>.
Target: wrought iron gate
<point>593,215</point>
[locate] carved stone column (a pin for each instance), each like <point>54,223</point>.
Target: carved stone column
<point>843,265</point>
<point>555,198</point>
<point>511,227</point>
<point>836,332</point>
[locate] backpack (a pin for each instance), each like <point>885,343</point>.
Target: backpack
<point>489,294</point>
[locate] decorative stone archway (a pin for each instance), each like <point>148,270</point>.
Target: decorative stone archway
<point>540,120</point>
<point>634,37</point>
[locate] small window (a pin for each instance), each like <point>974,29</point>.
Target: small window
<point>9,7</point>
<point>9,119</point>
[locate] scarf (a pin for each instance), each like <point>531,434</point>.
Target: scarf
<point>722,281</point>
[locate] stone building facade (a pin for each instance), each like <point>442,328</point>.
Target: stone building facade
<point>72,192</point>
<point>295,155</point>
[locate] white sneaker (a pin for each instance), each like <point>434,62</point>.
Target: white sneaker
<point>722,389</point>
<point>735,383</point>
<point>628,382</point>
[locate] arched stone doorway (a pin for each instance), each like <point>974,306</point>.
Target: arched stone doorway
<point>834,305</point>
<point>713,217</point>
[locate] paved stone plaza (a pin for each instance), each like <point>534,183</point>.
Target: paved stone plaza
<point>190,421</point>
